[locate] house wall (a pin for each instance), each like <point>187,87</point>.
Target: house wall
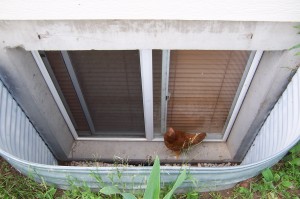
<point>230,10</point>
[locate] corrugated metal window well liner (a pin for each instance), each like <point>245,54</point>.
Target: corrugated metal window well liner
<point>22,147</point>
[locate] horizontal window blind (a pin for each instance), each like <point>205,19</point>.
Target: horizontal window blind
<point>202,86</point>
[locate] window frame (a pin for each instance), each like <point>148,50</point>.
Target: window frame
<point>147,92</point>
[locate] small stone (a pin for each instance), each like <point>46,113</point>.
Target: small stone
<point>103,164</point>
<point>245,184</point>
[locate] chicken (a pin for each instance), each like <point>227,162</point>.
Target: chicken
<point>179,140</point>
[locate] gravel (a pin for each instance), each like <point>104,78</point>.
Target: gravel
<point>103,164</point>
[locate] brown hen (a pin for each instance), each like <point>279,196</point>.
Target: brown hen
<point>179,140</point>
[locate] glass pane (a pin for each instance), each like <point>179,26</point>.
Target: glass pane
<point>62,80</point>
<point>157,70</point>
<point>110,82</point>
<point>203,85</point>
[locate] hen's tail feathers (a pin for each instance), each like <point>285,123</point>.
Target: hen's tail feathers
<point>199,137</point>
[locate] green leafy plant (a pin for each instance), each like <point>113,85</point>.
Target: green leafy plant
<point>215,195</point>
<point>153,184</point>
<point>298,45</point>
<point>113,190</point>
<point>281,181</point>
<point>243,192</point>
<point>153,188</point>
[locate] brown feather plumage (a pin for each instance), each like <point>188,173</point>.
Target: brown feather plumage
<point>179,140</point>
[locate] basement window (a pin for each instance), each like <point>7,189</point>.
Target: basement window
<point>137,95</point>
<point>202,89</point>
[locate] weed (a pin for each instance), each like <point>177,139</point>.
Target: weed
<point>298,45</point>
<point>281,181</point>
<point>242,192</point>
<point>216,195</point>
<point>192,195</point>
<point>14,185</point>
<point>98,178</point>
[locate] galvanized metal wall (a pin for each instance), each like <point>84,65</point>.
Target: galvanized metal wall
<point>18,137</point>
<point>281,128</point>
<point>22,147</point>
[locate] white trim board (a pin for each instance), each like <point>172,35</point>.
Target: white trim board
<point>230,10</point>
<point>147,88</point>
<point>145,34</point>
<point>164,89</point>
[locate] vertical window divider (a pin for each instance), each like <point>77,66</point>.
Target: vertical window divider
<point>164,89</point>
<point>78,90</point>
<point>147,90</point>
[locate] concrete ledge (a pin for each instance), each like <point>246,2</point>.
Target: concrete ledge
<point>143,151</point>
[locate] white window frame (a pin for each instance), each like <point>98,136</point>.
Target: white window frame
<point>147,92</point>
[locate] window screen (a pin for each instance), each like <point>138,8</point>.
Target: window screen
<point>110,82</point>
<point>157,70</point>
<point>202,87</point>
<point>64,84</point>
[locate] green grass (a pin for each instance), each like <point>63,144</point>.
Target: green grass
<point>280,181</point>
<point>14,185</point>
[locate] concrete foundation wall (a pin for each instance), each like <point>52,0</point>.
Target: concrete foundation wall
<point>22,77</point>
<point>271,78</point>
<point>147,34</point>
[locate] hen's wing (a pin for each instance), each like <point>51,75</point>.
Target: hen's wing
<point>193,139</point>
